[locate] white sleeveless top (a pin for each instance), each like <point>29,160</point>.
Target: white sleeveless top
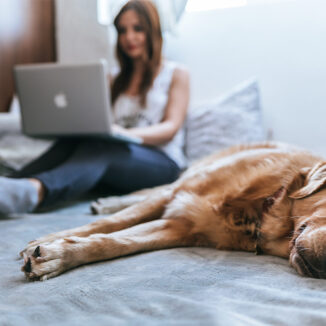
<point>129,113</point>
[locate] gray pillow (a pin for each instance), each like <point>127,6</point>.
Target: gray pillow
<point>228,120</point>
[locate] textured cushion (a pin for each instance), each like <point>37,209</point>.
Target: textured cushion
<point>228,120</point>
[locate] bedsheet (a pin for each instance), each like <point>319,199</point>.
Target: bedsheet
<point>182,286</point>
<point>16,150</point>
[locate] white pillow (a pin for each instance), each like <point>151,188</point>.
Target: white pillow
<point>228,120</point>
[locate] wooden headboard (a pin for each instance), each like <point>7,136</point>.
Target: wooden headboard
<point>26,36</point>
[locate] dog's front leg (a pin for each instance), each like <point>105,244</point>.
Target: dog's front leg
<point>150,209</point>
<point>52,259</point>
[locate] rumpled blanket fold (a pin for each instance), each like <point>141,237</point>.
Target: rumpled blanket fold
<point>16,149</point>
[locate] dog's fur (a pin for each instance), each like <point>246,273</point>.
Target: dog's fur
<point>265,198</point>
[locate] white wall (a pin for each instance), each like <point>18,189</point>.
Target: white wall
<point>283,44</point>
<point>79,36</point>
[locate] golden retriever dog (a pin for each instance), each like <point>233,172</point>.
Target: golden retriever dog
<point>265,198</point>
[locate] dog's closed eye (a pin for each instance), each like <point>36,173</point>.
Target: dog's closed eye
<point>302,228</point>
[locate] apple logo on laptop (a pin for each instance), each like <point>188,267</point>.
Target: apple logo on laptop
<point>60,101</point>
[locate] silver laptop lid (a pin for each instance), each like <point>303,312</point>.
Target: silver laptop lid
<point>63,99</point>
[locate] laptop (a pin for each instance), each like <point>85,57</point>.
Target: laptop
<point>66,100</point>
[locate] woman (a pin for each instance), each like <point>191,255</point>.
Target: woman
<point>150,98</point>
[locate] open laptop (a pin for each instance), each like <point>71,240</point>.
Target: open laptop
<point>65,100</point>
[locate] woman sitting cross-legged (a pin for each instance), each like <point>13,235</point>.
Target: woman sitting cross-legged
<point>150,99</point>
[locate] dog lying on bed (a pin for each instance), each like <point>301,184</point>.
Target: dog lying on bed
<point>265,198</point>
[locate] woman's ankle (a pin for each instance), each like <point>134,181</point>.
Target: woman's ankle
<point>40,189</point>
<point>19,195</point>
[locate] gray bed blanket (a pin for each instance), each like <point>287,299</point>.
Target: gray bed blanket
<point>16,150</point>
<point>183,286</point>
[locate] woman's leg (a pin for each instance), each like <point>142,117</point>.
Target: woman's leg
<point>54,156</point>
<point>80,166</point>
<point>122,167</point>
<point>19,193</point>
<point>138,168</point>
<point>79,173</point>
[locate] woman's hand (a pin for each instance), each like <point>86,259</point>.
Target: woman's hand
<point>116,129</point>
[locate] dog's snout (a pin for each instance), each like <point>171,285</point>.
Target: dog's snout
<point>304,266</point>
<point>309,264</point>
<point>309,254</point>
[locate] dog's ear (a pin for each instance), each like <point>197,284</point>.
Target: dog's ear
<point>315,178</point>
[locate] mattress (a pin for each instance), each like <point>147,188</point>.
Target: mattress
<point>181,286</point>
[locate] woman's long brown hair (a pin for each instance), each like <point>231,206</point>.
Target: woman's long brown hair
<point>150,22</point>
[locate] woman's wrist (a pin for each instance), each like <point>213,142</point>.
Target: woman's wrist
<point>127,132</point>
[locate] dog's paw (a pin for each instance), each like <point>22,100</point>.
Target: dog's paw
<point>108,205</point>
<point>31,246</point>
<point>48,260</point>
<point>115,204</point>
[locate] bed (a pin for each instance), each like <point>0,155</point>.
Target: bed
<point>182,286</point>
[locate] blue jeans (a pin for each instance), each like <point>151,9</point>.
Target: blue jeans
<point>72,167</point>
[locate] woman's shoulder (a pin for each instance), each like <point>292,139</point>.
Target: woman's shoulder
<point>179,70</point>
<point>174,65</point>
